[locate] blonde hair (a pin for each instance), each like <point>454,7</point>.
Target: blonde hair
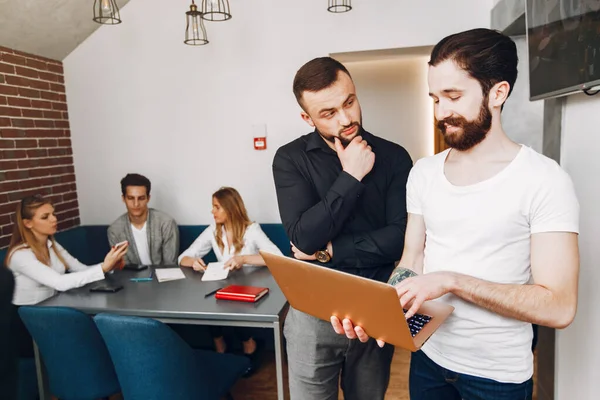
<point>23,236</point>
<point>231,201</point>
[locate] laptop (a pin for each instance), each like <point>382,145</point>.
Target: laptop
<point>323,292</point>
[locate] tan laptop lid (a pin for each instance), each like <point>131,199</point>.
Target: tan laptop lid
<point>323,292</point>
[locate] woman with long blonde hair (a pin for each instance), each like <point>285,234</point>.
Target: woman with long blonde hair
<point>236,241</point>
<point>39,263</point>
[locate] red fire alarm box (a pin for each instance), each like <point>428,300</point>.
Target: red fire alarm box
<point>260,143</point>
<point>259,132</point>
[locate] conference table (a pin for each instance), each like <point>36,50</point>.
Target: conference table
<point>181,302</point>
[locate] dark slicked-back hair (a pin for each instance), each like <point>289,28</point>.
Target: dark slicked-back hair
<point>135,180</point>
<point>317,74</point>
<point>487,55</point>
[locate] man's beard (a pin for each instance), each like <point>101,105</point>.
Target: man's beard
<point>473,132</point>
<point>345,142</point>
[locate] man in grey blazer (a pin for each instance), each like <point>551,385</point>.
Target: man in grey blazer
<point>153,236</point>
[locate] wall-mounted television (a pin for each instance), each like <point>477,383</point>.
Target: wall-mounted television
<point>563,41</point>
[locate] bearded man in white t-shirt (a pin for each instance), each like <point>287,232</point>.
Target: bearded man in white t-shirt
<point>492,230</point>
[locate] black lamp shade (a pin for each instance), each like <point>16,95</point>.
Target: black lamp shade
<point>106,12</point>
<point>215,10</point>
<point>339,6</point>
<point>195,33</point>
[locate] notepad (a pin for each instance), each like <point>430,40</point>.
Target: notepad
<point>169,274</point>
<point>249,294</point>
<point>215,271</point>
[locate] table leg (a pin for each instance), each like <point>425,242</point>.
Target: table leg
<point>279,359</point>
<point>42,377</point>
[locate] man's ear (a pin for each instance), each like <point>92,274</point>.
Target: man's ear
<point>123,198</point>
<point>148,197</point>
<point>499,94</point>
<point>307,119</point>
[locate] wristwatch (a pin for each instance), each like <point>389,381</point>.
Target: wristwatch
<point>323,256</point>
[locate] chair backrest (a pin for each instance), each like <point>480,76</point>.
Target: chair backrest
<point>152,361</point>
<point>277,234</point>
<point>2,256</point>
<point>89,243</point>
<point>75,356</point>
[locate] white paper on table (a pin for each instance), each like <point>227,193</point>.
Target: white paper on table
<point>169,274</point>
<point>215,271</point>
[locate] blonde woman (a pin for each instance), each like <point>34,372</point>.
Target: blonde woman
<point>235,240</point>
<point>39,263</point>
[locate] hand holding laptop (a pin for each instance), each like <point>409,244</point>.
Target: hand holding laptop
<point>352,332</point>
<point>412,292</point>
<point>353,300</point>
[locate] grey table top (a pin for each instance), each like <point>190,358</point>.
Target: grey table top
<point>180,299</point>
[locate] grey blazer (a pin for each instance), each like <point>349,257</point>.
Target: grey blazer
<point>163,238</point>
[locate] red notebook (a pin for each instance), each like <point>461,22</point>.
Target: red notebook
<point>249,294</point>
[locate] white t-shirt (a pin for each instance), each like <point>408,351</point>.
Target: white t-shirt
<point>484,230</point>
<point>141,244</point>
<point>254,240</point>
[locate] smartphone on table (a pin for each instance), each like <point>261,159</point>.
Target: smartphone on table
<point>135,267</point>
<point>105,287</point>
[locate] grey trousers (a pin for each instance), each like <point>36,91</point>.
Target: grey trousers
<point>317,356</point>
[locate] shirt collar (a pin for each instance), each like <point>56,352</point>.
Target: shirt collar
<point>315,141</point>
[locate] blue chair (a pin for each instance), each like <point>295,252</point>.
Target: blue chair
<point>153,362</point>
<point>27,386</point>
<point>75,356</point>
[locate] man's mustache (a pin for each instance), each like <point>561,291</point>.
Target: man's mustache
<point>348,127</point>
<point>453,121</point>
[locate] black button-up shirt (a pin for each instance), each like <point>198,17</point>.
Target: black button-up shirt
<point>319,203</point>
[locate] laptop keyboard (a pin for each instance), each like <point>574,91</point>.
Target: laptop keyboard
<point>417,322</point>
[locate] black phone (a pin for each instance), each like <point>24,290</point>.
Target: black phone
<point>135,267</point>
<point>105,287</point>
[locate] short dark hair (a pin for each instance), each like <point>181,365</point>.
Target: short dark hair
<point>135,180</point>
<point>317,74</point>
<point>487,55</point>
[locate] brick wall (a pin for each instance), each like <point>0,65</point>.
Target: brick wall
<point>35,141</point>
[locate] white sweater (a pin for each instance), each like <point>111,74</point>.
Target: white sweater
<point>35,281</point>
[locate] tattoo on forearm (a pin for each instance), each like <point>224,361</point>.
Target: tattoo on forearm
<point>399,274</point>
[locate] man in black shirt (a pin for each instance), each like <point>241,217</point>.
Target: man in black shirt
<point>342,199</point>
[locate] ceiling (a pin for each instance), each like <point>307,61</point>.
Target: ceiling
<point>383,54</point>
<point>48,28</point>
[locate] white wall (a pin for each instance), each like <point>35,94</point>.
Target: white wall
<point>523,120</point>
<point>393,95</point>
<point>578,346</point>
<point>140,100</point>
